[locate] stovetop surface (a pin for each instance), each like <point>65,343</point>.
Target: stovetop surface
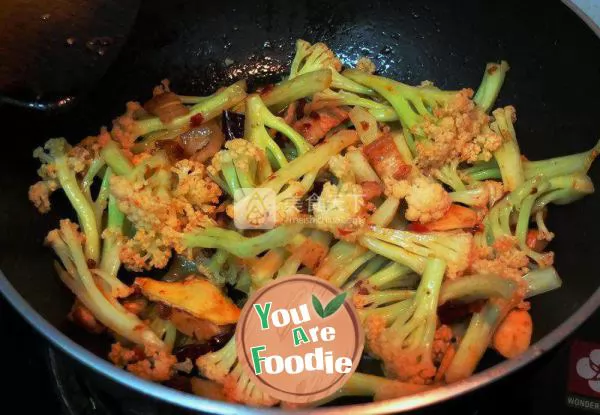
<point>38,380</point>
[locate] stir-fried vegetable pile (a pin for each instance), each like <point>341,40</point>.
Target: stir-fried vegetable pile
<point>416,201</point>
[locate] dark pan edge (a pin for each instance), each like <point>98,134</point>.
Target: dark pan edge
<point>188,401</point>
<point>184,400</point>
<point>586,19</point>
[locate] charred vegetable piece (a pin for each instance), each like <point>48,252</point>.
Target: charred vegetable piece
<point>194,295</point>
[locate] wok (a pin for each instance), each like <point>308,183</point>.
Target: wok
<point>553,82</point>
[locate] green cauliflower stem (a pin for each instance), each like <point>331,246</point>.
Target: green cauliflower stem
<point>66,242</point>
<point>413,249</point>
<point>406,346</point>
<point>205,110</point>
<point>56,162</point>
<point>508,154</point>
<point>310,58</point>
<point>490,86</point>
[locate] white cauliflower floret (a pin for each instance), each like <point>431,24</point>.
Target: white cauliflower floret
<point>339,207</point>
<point>240,151</point>
<point>194,186</point>
<point>340,167</point>
<point>162,209</point>
<point>77,158</point>
<point>427,201</point>
<point>366,65</point>
<point>39,194</point>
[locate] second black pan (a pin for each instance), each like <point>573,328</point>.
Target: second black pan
<point>554,83</point>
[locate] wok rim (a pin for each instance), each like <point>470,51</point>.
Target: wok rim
<point>189,401</point>
<point>403,404</point>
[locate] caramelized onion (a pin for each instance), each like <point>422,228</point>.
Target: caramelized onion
<point>166,106</point>
<point>203,142</point>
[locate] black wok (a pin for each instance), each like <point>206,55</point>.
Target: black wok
<point>554,83</point>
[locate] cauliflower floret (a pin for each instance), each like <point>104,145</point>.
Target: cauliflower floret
<point>162,210</point>
<point>82,316</point>
<point>154,365</point>
<point>339,209</point>
<point>366,65</point>
<point>194,186</point>
<point>491,192</point>
<point>39,194</point>
<point>240,151</point>
<point>462,132</point>
<point>146,250</point>
<point>157,368</point>
<point>441,342</point>
<point>400,363</point>
<point>505,259</point>
<point>78,159</point>
<point>340,167</point>
<point>427,201</point>
<point>124,131</point>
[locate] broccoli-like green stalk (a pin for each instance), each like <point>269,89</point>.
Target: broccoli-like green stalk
<point>258,119</point>
<point>394,274</point>
<point>557,166</point>
<point>330,98</point>
<point>343,252</point>
<point>476,196</point>
<point>530,197</point>
<point>288,91</point>
<point>378,298</point>
<point>93,170</point>
<point>265,268</point>
<point>368,386</point>
<point>340,277</point>
<point>565,189</point>
<point>110,262</point>
<point>311,161</point>
<point>497,222</point>
<point>483,324</point>
<point>116,160</point>
<point>240,165</point>
<point>204,110</point>
<point>371,267</point>
<point>477,338</point>
<point>485,170</point>
<point>476,287</point>
<point>390,309</point>
<point>101,201</point>
<point>541,280</point>
<point>448,174</point>
<point>412,104</point>
<point>562,166</point>
<point>217,262</point>
<point>490,86</point>
<point>406,346</point>
<point>224,368</point>
<point>508,154</point>
<point>413,249</point>
<point>67,243</point>
<point>54,158</point>
<point>310,58</point>
<point>238,245</point>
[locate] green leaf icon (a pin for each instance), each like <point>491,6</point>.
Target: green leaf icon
<point>318,306</point>
<point>335,304</point>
